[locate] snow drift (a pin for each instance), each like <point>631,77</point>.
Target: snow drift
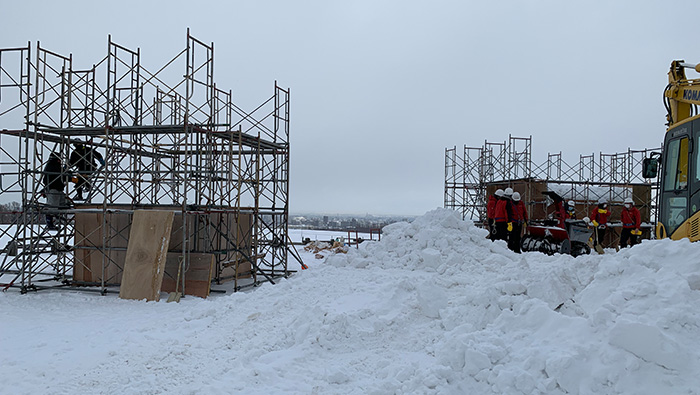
<point>434,307</point>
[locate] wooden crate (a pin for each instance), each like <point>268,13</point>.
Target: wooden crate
<point>94,260</point>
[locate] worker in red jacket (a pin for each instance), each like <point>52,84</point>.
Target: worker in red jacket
<point>599,218</point>
<point>519,219</point>
<point>522,209</point>
<point>503,216</point>
<point>491,212</point>
<point>631,221</point>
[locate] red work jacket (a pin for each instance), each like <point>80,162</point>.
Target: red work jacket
<point>503,212</point>
<point>491,207</point>
<point>600,218</point>
<point>631,219</point>
<point>520,212</point>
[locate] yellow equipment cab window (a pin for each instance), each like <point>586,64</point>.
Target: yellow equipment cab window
<point>677,165</point>
<point>683,164</point>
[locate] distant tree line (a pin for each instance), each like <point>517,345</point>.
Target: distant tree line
<point>9,212</point>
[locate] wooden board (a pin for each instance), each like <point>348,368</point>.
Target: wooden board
<point>198,274</point>
<point>146,254</point>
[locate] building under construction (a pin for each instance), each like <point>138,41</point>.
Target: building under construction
<point>474,173</point>
<point>170,140</point>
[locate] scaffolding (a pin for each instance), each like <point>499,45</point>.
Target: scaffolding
<point>469,173</point>
<point>170,140</point>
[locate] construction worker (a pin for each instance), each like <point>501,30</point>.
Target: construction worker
<point>519,218</point>
<point>599,218</point>
<point>491,212</point>
<point>85,160</point>
<point>559,213</point>
<point>54,184</point>
<point>504,215</point>
<point>522,209</point>
<point>631,221</point>
<point>570,210</point>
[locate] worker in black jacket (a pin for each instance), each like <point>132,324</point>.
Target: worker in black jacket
<point>53,179</point>
<point>85,160</point>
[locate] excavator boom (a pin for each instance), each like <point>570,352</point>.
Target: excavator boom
<point>681,94</point>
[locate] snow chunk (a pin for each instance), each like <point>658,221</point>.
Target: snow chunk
<point>475,361</point>
<point>431,299</point>
<point>513,288</point>
<point>431,258</point>
<point>694,281</point>
<point>649,343</point>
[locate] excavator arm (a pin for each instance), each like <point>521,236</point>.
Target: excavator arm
<point>682,95</point>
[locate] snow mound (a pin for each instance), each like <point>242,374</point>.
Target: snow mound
<point>535,324</point>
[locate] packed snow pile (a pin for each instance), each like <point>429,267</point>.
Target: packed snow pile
<point>434,307</point>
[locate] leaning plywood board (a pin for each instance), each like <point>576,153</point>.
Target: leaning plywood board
<point>198,274</point>
<point>145,254</point>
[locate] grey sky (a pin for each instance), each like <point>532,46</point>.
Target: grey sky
<point>380,88</point>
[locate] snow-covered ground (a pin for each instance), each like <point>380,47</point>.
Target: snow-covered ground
<point>434,307</point>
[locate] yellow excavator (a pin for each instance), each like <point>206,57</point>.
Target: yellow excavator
<point>679,189</point>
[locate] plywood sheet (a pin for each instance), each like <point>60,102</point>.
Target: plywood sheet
<point>88,235</point>
<point>198,274</point>
<point>146,254</point>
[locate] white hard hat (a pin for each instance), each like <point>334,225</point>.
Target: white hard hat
<point>602,201</point>
<point>499,192</point>
<point>508,191</point>
<point>629,200</point>
<point>516,196</point>
<point>571,203</point>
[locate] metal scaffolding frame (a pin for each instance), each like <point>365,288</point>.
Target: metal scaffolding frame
<point>468,173</point>
<point>171,139</point>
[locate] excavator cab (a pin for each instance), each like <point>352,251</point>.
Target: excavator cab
<point>679,195</point>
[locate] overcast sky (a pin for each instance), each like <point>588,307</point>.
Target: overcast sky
<point>379,89</point>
